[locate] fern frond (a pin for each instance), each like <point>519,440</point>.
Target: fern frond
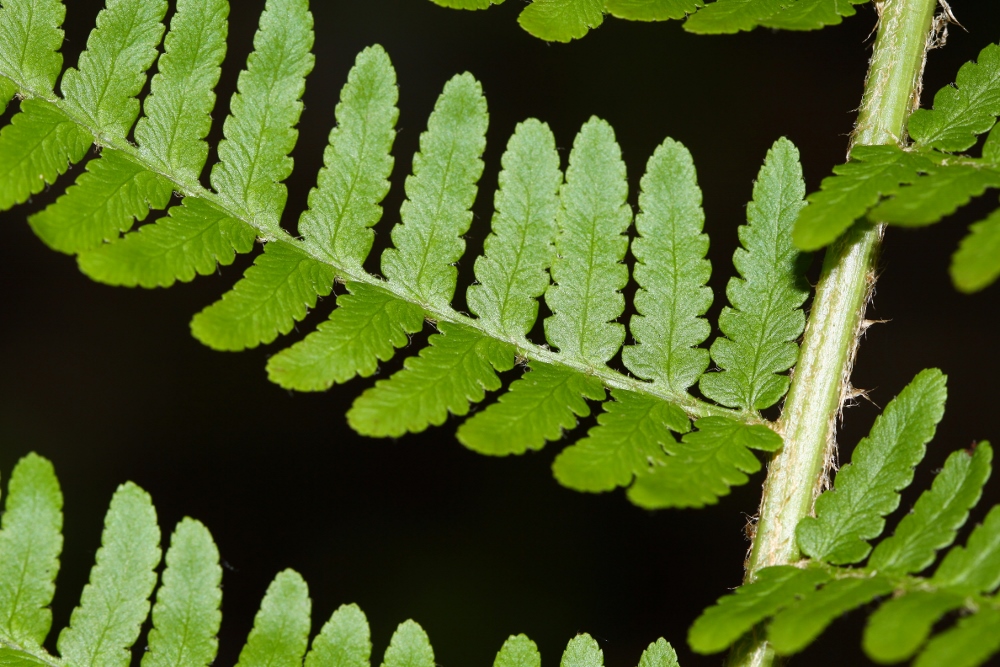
<point>280,631</point>
<point>561,20</point>
<point>344,641</point>
<point>409,647</point>
<point>582,651</point>
<point>30,38</point>
<point>518,651</point>
<point>659,654</point>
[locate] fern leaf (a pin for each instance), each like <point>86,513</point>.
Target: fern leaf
<point>30,38</point>
<point>974,568</point>
<point>518,651</point>
<point>112,71</point>
<point>799,624</point>
<point>409,647</point>
<point>439,195</point>
<point>936,195</point>
<point>588,273</point>
<point>366,327</point>
<point>30,542</point>
<point>659,654</point>
<point>276,292</point>
<point>652,10</point>
<point>733,615</point>
<point>344,641</point>
<point>671,271</point>
<point>194,238</point>
<point>115,603</point>
<point>561,20</point>
<point>456,369</point>
<point>707,463</point>
<point>976,263</point>
<point>730,16</point>
<point>357,164</point>
<point>179,105</point>
<point>811,14</point>
<point>582,651</point>
<point>632,433</point>
<point>868,488</point>
<point>186,615</point>
<point>962,111</point>
<point>901,625</point>
<point>37,147</point>
<point>10,657</point>
<point>7,91</point>
<point>766,315</point>
<point>260,130</point>
<point>281,628</point>
<point>970,643</point>
<point>512,273</point>
<point>467,4</point>
<point>937,515</point>
<point>536,408</point>
<point>106,200</point>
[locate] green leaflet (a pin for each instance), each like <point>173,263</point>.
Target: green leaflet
<point>659,654</point>
<point>729,16</point>
<point>106,200</point>
<point>631,435</point>
<point>180,101</point>
<point>518,651</point>
<point>704,465</point>
<point>30,38</point>
<point>275,293</point>
<point>512,273</point>
<point>766,315</point>
<point>964,110</point>
<point>112,71</point>
<point>194,238</point>
<point>409,647</point>
<point>115,603</point>
<point>37,147</point>
<point>811,14</point>
<point>971,642</point>
<point>868,488</point>
<point>582,651</point>
<point>456,369</point>
<point>357,164</point>
<point>651,10</point>
<point>936,195</point>
<point>259,132</point>
<point>974,568</point>
<point>365,328</point>
<point>538,407</point>
<point>561,20</point>
<point>344,641</point>
<point>730,617</point>
<point>13,658</point>
<point>186,615</point>
<point>468,4</point>
<point>901,625</point>
<point>439,195</point>
<point>30,542</point>
<point>7,91</point>
<point>281,628</point>
<point>937,515</point>
<point>671,271</point>
<point>588,273</point>
<point>976,263</point>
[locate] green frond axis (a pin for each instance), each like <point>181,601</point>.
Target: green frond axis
<point>112,71</point>
<point>582,651</point>
<point>936,195</point>
<point>275,293</point>
<point>457,368</point>
<point>632,434</point>
<point>440,193</point>
<point>937,515</point>
<point>106,200</point>
<point>963,111</point>
<point>774,588</point>
<point>178,108</point>
<point>588,271</point>
<point>37,147</point>
<point>659,654</point>
<point>259,132</point>
<point>367,326</point>
<point>467,4</point>
<point>537,408</point>
<point>186,615</point>
<point>280,631</point>
<point>561,20</point>
<point>192,239</point>
<point>976,263</point>
<point>652,10</point>
<point>357,164</point>
<point>811,14</point>
<point>513,271</point>
<point>974,568</point>
<point>115,602</point>
<point>766,315</point>
<point>409,647</point>
<point>704,466</point>
<point>798,625</point>
<point>30,39</point>
<point>867,489</point>
<point>518,651</point>
<point>972,641</point>
<point>344,641</point>
<point>897,630</point>
<point>30,543</point>
<point>672,273</point>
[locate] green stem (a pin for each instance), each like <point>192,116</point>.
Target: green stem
<point>797,473</point>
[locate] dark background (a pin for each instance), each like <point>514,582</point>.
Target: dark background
<point>109,384</point>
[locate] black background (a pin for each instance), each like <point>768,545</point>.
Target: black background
<point>109,384</point>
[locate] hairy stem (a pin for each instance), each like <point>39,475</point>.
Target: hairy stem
<point>798,472</point>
